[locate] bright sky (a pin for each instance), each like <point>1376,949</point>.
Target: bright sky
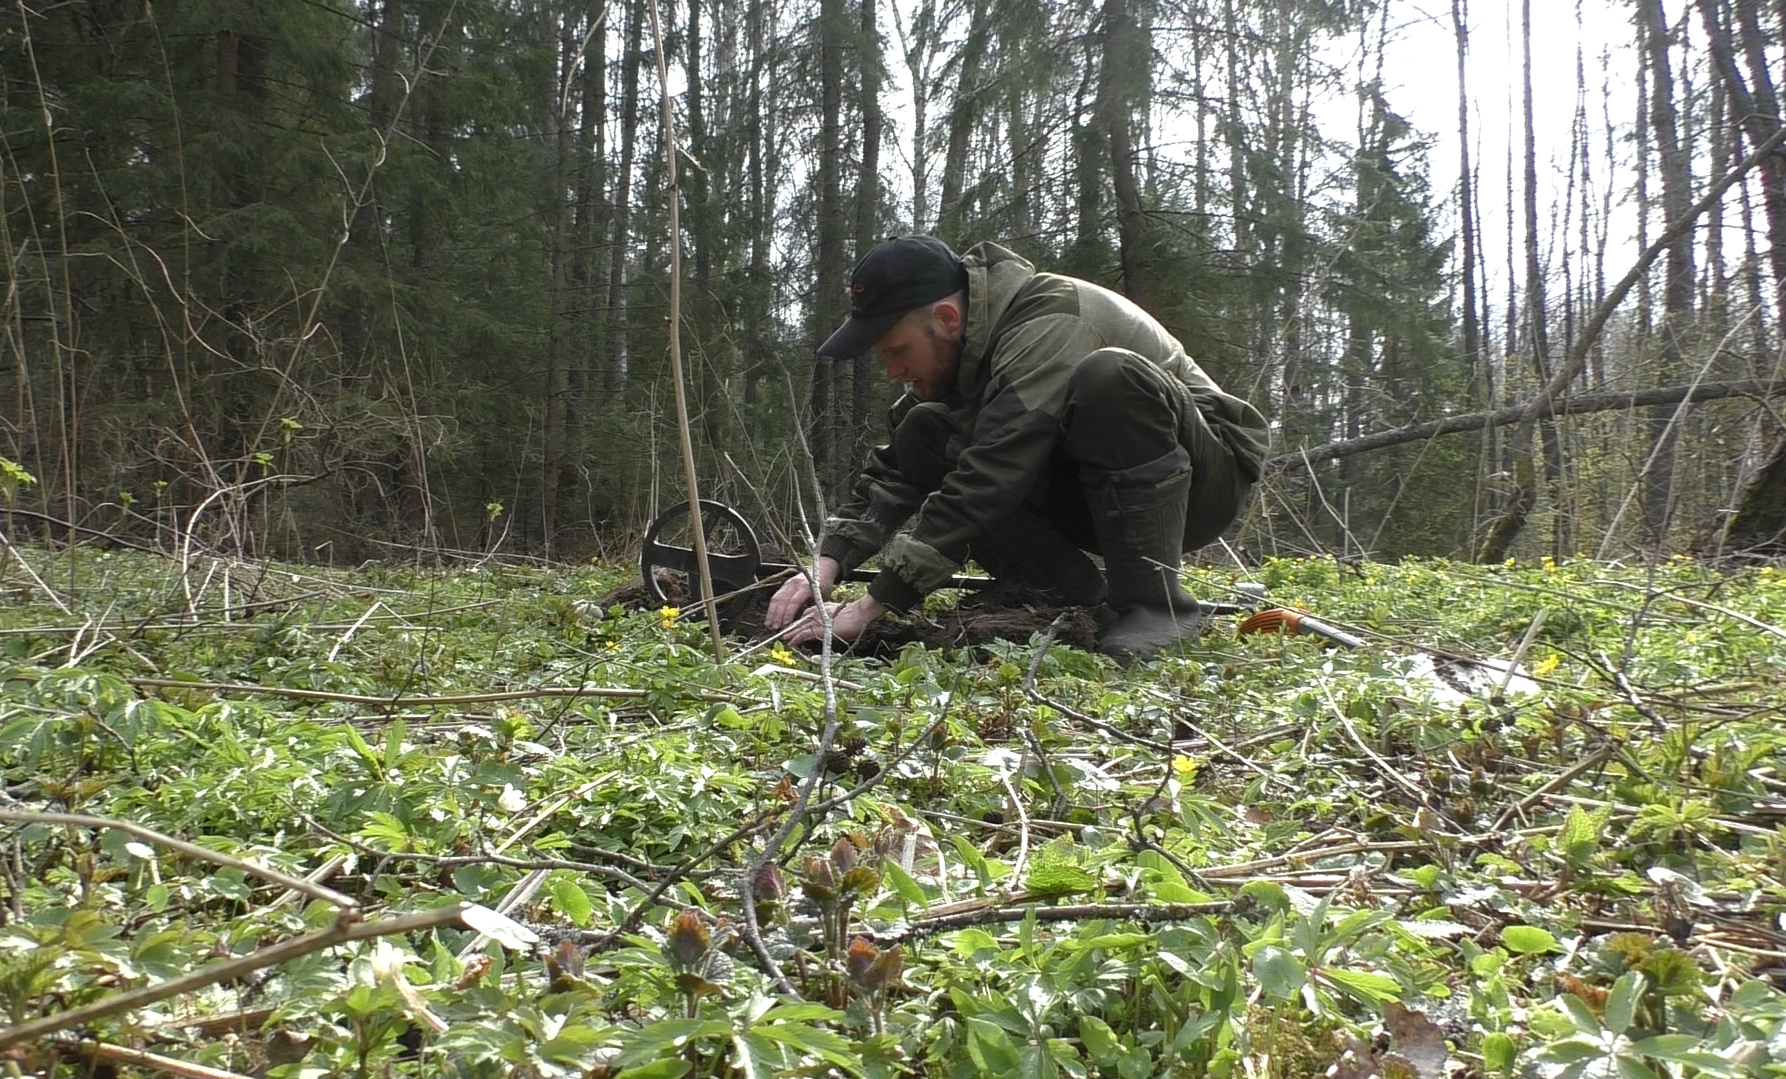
<point>1421,71</point>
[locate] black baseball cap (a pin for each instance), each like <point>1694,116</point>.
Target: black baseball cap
<point>899,276</point>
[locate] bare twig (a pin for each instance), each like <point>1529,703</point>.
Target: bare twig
<point>685,437</point>
<point>421,702</point>
<point>1133,912</point>
<point>1725,611</point>
<point>100,1052</point>
<point>1095,724</point>
<point>1593,760</point>
<point>82,820</point>
<point>340,932</point>
<point>1004,776</point>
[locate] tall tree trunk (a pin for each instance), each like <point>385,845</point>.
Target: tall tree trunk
<point>963,114</point>
<point>1759,110</point>
<point>619,364</point>
<point>556,213</point>
<point>589,185</point>
<point>1088,177</point>
<point>1657,476</point>
<point>1127,60</point>
<point>868,377</point>
<point>829,404</point>
<point>1472,329</point>
<point>1536,336</point>
<point>757,209</point>
<point>1236,137</point>
<point>920,52</point>
<point>706,349</point>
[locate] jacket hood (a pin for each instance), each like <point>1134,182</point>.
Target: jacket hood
<point>995,275</point>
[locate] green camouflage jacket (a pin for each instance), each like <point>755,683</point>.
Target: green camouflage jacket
<point>1026,331</point>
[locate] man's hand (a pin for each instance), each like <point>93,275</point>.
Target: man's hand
<point>795,594</point>
<point>848,620</point>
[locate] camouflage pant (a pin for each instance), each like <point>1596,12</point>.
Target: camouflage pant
<point>1121,414</point>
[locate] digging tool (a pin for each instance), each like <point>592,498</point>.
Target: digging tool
<point>735,560</point>
<point>1453,677</point>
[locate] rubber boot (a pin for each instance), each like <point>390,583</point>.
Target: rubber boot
<point>1030,550</point>
<point>1139,514</point>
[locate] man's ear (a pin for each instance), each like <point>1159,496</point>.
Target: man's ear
<point>949,316</point>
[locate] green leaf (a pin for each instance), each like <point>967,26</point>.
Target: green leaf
<point>757,1057</point>
<point>802,1011</point>
<point>990,1047</point>
<point>825,1044</point>
<point>1099,1040</point>
<point>671,1035</point>
<point>1571,1051</point>
<point>573,902</point>
<point>1280,974</point>
<point>1579,838</point>
<point>1059,879</point>
<point>393,744</point>
<point>1108,941</point>
<point>1577,1010</point>
<point>1687,1050</point>
<point>1631,1068</point>
<point>1499,1053</point>
<point>1664,1046</point>
<point>1036,1063</point>
<point>572,1043</point>
<point>1268,894</point>
<point>1366,985</point>
<point>909,890</point>
<point>361,749</point>
<point>669,1068</point>
<point>1621,1003</point>
<point>1528,940</point>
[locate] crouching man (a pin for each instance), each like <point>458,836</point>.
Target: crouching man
<point>1043,417</point>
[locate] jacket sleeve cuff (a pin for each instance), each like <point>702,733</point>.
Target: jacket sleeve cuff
<point>848,555</point>
<point>894,591</point>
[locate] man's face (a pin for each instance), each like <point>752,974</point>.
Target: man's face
<point>923,353</point>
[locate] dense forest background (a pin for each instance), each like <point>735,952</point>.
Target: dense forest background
<point>339,279</point>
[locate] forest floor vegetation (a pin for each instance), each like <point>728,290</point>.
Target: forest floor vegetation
<point>277,820</point>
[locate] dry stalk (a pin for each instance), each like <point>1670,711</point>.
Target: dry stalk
<point>81,820</point>
<point>421,702</point>
<point>343,931</point>
<point>102,1053</point>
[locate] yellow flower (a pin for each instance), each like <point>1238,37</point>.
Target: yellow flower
<point>1185,768</point>
<point>1549,563</point>
<point>1544,666</point>
<point>781,655</point>
<point>613,646</point>
<point>668,616</point>
<point>1510,562</point>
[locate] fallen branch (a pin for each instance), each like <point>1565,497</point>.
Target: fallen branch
<point>341,932</point>
<point>81,820</point>
<point>1132,912</point>
<point>100,1052</point>
<point>420,702</point>
<point>1600,401</point>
